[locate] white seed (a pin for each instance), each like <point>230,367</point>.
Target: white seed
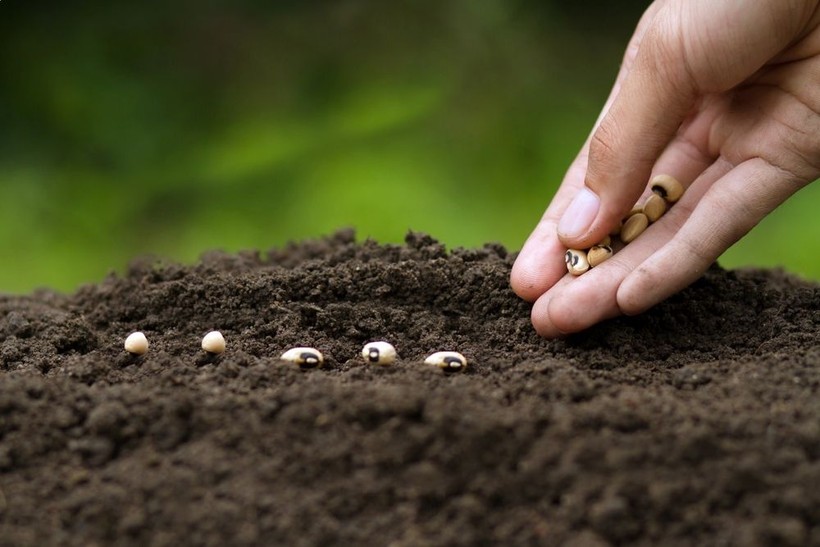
<point>597,254</point>
<point>655,207</point>
<point>304,357</point>
<point>633,227</point>
<point>213,342</point>
<point>136,343</point>
<point>448,361</point>
<point>576,261</point>
<point>667,187</point>
<point>379,353</point>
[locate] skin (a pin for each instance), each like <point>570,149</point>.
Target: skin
<point>724,96</point>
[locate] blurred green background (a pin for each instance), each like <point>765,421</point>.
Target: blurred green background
<point>131,128</point>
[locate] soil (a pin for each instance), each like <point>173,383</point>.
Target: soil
<point>697,423</point>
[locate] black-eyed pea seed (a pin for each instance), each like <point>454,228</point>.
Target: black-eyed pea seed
<point>306,358</point>
<point>213,342</point>
<point>633,227</point>
<point>598,254</point>
<point>379,353</point>
<point>667,187</point>
<point>637,208</point>
<point>448,361</point>
<point>606,242</point>
<point>136,343</point>
<point>655,207</point>
<point>576,261</point>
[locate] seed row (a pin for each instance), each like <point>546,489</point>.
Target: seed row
<point>666,190</point>
<point>376,353</point>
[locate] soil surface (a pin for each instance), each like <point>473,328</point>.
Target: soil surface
<point>697,423</point>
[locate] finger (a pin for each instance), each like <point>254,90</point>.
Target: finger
<point>687,52</point>
<point>538,266</point>
<point>575,304</point>
<point>731,207</point>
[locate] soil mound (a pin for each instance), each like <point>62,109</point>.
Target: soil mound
<point>697,423</point>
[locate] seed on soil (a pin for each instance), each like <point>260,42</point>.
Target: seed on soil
<point>448,361</point>
<point>576,261</point>
<point>633,227</point>
<point>654,208</point>
<point>597,254</point>
<point>213,342</point>
<point>379,353</point>
<point>136,343</point>
<point>667,187</point>
<point>304,357</point>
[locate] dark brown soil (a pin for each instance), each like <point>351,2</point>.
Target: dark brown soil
<point>697,423</point>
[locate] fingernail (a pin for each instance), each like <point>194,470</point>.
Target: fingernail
<point>579,215</point>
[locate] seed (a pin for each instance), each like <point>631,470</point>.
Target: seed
<point>634,211</point>
<point>213,342</point>
<point>667,187</point>
<point>136,343</point>
<point>598,254</point>
<point>654,208</point>
<point>576,261</point>
<point>633,227</point>
<point>448,361</point>
<point>304,357</point>
<point>606,242</point>
<point>379,353</point>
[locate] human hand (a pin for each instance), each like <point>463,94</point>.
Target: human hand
<point>725,97</point>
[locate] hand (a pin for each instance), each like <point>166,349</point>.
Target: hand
<point>725,97</point>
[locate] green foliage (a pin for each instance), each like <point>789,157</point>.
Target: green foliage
<point>132,129</point>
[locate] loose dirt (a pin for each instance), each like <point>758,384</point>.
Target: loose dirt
<point>697,423</point>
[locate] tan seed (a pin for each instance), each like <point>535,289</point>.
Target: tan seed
<point>598,254</point>
<point>448,361</point>
<point>136,343</point>
<point>667,187</point>
<point>606,242</point>
<point>576,261</point>
<point>213,342</point>
<point>379,353</point>
<point>633,227</point>
<point>304,357</point>
<point>654,208</point>
<point>637,208</point>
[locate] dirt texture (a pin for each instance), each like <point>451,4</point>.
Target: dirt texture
<point>697,423</point>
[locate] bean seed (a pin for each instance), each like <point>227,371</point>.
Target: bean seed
<point>379,353</point>
<point>213,342</point>
<point>606,242</point>
<point>633,227</point>
<point>597,254</point>
<point>634,211</point>
<point>667,187</point>
<point>448,361</point>
<point>576,261</point>
<point>136,343</point>
<point>654,208</point>
<point>304,357</point>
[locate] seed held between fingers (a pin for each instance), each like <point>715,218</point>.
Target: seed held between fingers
<point>136,343</point>
<point>667,187</point>
<point>598,254</point>
<point>306,358</point>
<point>379,353</point>
<point>655,207</point>
<point>576,261</point>
<point>633,227</point>
<point>448,361</point>
<point>213,342</point>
